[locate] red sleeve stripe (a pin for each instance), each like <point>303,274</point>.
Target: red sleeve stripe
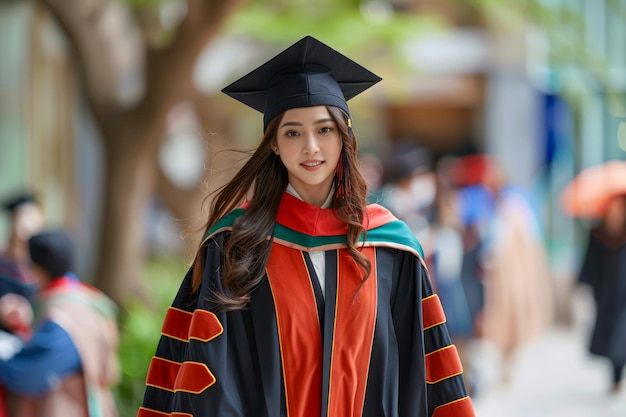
<point>147,412</point>
<point>162,373</point>
<point>193,377</point>
<point>442,364</point>
<point>204,326</point>
<point>176,324</point>
<point>458,408</point>
<point>433,314</point>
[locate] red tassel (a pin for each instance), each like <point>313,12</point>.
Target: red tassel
<point>342,178</point>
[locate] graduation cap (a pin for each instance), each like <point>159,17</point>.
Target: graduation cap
<point>53,251</point>
<point>308,73</point>
<point>14,202</point>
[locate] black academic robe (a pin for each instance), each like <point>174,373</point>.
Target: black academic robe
<point>378,348</point>
<point>604,269</point>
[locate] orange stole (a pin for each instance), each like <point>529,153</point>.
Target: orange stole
<point>300,335</point>
<point>298,331</point>
<point>355,320</point>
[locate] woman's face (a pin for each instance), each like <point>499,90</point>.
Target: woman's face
<point>309,145</point>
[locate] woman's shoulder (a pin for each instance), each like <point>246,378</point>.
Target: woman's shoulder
<point>378,215</point>
<point>385,229</point>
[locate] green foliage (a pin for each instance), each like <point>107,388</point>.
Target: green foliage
<point>362,27</point>
<point>140,329</point>
<point>345,25</point>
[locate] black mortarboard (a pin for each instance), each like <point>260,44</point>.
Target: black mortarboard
<point>53,251</point>
<point>308,73</point>
<point>17,200</point>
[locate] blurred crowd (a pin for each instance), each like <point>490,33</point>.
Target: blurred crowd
<point>485,246</point>
<point>58,335</point>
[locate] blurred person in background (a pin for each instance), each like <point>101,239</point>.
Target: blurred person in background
<point>409,186</point>
<point>16,277</point>
<point>604,270</point>
<point>285,310</point>
<point>518,294</point>
<point>445,255</point>
<point>69,364</point>
<point>475,208</point>
<point>508,264</point>
<point>25,219</point>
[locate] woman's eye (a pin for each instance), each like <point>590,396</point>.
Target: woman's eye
<point>326,129</point>
<point>291,133</point>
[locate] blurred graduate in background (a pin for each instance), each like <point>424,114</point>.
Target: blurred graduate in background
<point>69,364</point>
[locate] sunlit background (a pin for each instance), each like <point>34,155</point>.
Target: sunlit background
<point>111,113</point>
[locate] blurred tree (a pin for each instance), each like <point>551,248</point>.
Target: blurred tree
<point>136,62</point>
<point>116,52</point>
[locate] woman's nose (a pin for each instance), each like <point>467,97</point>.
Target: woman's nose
<point>311,145</point>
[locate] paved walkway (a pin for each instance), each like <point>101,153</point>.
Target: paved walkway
<point>555,378</point>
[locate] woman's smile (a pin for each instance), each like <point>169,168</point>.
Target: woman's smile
<point>312,165</point>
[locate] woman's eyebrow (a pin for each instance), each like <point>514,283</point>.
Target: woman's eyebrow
<point>291,124</point>
<point>317,122</point>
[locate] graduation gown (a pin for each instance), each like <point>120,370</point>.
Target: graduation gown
<point>378,348</point>
<point>604,269</point>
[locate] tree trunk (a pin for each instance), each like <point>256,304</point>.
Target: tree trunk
<point>130,181</point>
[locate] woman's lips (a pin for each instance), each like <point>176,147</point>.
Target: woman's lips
<point>311,165</point>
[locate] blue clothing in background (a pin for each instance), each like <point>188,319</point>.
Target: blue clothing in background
<point>12,279</point>
<point>51,349</point>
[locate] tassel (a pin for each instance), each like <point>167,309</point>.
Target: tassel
<point>342,178</point>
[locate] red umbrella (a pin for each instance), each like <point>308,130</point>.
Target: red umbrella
<point>591,191</point>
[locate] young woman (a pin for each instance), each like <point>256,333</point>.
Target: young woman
<point>302,300</point>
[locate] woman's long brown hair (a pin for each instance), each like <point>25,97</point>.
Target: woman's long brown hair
<point>264,179</point>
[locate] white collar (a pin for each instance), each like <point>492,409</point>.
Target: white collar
<point>326,204</point>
